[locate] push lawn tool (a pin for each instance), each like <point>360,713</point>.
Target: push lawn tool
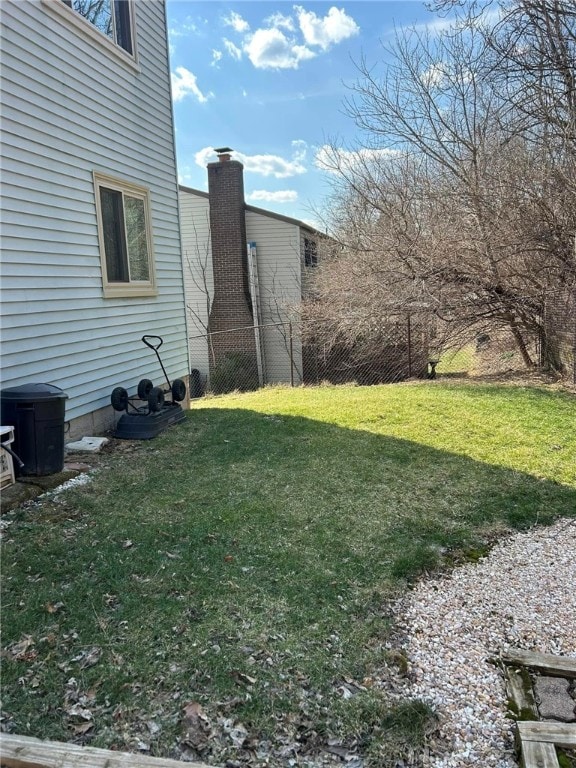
<point>161,406</point>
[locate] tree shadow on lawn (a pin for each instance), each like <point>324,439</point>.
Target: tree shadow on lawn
<point>349,489</point>
<point>239,549</point>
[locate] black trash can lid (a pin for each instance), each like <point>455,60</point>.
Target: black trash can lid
<point>33,392</point>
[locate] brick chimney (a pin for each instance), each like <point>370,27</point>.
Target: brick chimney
<point>231,305</point>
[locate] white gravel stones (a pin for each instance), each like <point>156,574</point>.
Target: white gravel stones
<point>82,479</point>
<point>522,595</point>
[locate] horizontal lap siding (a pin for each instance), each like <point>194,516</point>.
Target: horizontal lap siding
<point>279,270</point>
<point>198,276</point>
<point>70,108</point>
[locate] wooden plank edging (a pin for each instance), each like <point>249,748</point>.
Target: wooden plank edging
<point>520,695</point>
<point>29,752</point>
<point>560,734</point>
<point>563,666</point>
<point>538,754</point>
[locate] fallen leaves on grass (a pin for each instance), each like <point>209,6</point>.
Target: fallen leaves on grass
<point>81,729</point>
<point>54,607</point>
<point>23,650</point>
<point>88,657</point>
<point>235,730</point>
<point>196,726</point>
<point>79,708</point>
<point>241,678</point>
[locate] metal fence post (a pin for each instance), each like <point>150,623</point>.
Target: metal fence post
<point>572,308</point>
<point>541,341</point>
<point>291,345</point>
<point>409,330</point>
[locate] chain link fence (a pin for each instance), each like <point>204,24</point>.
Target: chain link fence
<point>287,353</point>
<point>246,358</point>
<point>490,354</point>
<point>392,351</point>
<point>494,353</point>
<point>405,347</point>
<point>558,341</point>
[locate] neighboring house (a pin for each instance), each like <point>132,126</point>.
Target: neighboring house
<point>244,267</point>
<point>91,255</point>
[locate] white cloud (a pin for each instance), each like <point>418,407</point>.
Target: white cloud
<point>265,165</point>
<point>204,156</point>
<point>441,75</point>
<point>216,56</point>
<point>271,49</point>
<point>237,23</point>
<point>299,150</point>
<point>330,158</point>
<point>434,27</point>
<point>232,49</point>
<point>449,24</point>
<point>183,29</point>
<point>434,75</point>
<point>184,84</point>
<point>327,31</point>
<point>281,196</point>
<point>271,165</point>
<point>280,21</point>
<point>285,41</point>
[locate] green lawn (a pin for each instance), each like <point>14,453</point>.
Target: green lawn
<point>244,562</point>
<point>457,362</point>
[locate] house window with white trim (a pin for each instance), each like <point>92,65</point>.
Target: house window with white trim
<point>111,17</point>
<point>125,236</point>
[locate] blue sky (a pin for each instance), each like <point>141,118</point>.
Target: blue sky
<point>269,79</point>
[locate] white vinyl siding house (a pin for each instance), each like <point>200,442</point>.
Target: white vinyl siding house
<point>198,275</point>
<point>279,260</point>
<point>77,108</point>
<point>279,248</point>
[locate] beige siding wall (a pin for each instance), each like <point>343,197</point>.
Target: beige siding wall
<point>279,274</point>
<point>279,260</point>
<point>69,108</point>
<point>198,276</point>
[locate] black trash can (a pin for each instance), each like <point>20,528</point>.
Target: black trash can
<point>36,411</point>
<point>196,389</point>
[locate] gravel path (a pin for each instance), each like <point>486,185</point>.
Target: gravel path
<point>523,594</point>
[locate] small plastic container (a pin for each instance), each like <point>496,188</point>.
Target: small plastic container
<point>7,477</point>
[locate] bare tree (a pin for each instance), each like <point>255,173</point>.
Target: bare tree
<point>534,47</point>
<point>282,311</point>
<point>449,202</point>
<point>199,270</point>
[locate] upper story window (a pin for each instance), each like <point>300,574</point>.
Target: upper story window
<point>310,253</point>
<point>111,17</point>
<point>125,235</point>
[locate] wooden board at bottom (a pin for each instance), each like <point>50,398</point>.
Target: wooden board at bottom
<point>28,752</point>
<point>561,734</point>
<point>563,666</point>
<point>538,754</point>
